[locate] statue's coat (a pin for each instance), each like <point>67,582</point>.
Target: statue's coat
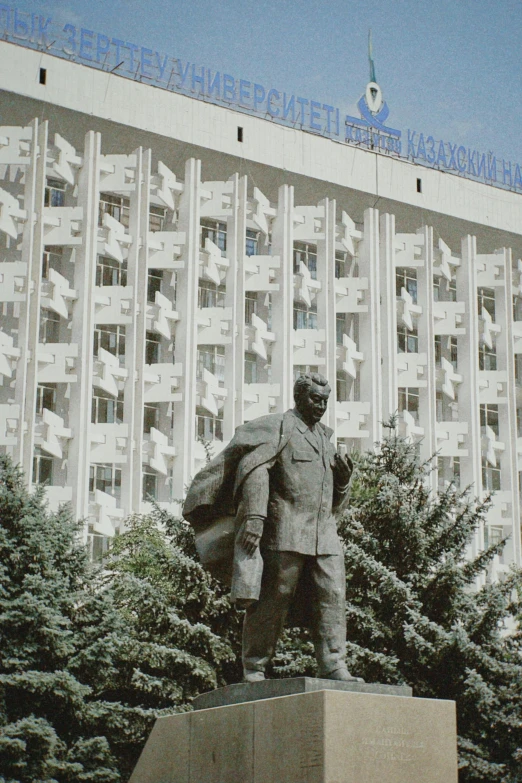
<point>212,501</point>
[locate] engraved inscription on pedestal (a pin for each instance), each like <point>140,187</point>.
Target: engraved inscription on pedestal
<point>322,736</point>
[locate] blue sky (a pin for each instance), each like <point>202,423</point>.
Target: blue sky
<point>449,68</point>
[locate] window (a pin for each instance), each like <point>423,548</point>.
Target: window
<point>216,232</point>
<point>491,477</point>
<point>304,369</point>
<point>251,242</point>
<point>106,409</point>
<point>438,350</point>
<point>150,417</point>
<point>110,337</point>
<point>409,401</point>
<point>51,259</point>
<point>448,469</point>
<point>304,317</point>
<point>489,417</point>
<point>154,278</point>
<point>250,306</point>
<point>156,218</point>
<point>98,545</point>
<point>49,327</point>
<point>406,278</point>
<point>239,134</point>
<point>340,264</point>
<point>451,343</point>
<point>419,185</point>
<point>210,294</point>
<point>45,397</point>
<point>519,423</point>
<point>54,195</point>
<point>493,534</point>
<point>42,468</point>
<point>439,406</point>
<point>518,369</point>
<point>149,483</point>
<point>517,308</point>
<point>455,461</point>
<point>211,358</point>
<point>407,342</point>
<point>444,289</point>
<point>486,300</point>
<point>110,272</point>
<point>152,348</point>
<point>342,387</point>
<point>106,478</point>
<point>487,358</point>
<point>209,427</point>
<point>307,254</point>
<point>250,368</point>
<point>42,76</point>
<point>340,327</point>
<point>453,352</point>
<point>115,206</point>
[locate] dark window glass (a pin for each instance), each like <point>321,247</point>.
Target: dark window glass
<point>110,272</point>
<point>154,279</point>
<point>251,242</point>
<point>54,194</point>
<point>150,417</point>
<point>152,348</point>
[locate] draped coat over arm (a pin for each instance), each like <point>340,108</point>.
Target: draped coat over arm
<point>212,502</point>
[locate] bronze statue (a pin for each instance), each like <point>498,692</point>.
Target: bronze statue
<point>265,506</point>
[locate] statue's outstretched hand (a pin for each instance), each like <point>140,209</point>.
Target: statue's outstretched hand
<point>343,469</point>
<point>250,534</point>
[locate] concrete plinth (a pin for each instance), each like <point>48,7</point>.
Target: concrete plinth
<point>321,736</point>
<point>242,692</point>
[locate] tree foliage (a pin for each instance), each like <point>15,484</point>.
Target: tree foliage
<point>421,612</point>
<point>49,723</point>
<point>90,657</point>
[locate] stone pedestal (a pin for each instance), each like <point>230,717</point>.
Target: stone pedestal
<point>312,736</point>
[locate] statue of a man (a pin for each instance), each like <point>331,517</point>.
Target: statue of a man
<point>282,481</point>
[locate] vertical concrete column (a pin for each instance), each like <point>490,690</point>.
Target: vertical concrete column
<point>283,299</point>
<point>135,334</point>
<point>508,413</point>
<point>388,314</point>
<point>186,330</point>
<point>468,368</point>
<point>29,321</point>
<point>427,400</point>
<point>326,303</point>
<point>235,299</point>
<point>82,326</point>
<point>370,339</point>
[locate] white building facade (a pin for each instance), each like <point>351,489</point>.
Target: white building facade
<point>148,308</point>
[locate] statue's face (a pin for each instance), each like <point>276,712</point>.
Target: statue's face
<point>312,404</point>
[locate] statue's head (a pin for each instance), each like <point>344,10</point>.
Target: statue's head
<point>311,392</point>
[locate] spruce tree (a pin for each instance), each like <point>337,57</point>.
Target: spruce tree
<point>181,627</point>
<point>421,612</point>
<point>48,725</point>
<point>90,656</point>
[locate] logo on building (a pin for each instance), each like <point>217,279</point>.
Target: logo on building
<point>369,129</point>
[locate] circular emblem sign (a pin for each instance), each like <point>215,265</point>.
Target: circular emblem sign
<point>373,97</point>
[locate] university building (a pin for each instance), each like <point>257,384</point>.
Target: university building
<point>168,266</point>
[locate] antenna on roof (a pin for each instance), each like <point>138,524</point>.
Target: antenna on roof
<point>373,78</point>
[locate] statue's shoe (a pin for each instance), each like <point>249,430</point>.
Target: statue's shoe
<point>253,676</point>
<point>342,675</point>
